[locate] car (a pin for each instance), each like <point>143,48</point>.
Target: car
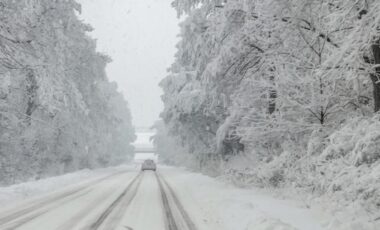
<point>148,165</point>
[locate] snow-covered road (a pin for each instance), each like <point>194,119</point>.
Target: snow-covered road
<point>171,199</point>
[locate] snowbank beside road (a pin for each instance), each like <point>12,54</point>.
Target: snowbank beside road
<point>19,192</point>
<point>226,207</point>
<point>339,171</point>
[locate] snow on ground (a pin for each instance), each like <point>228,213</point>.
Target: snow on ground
<point>19,192</point>
<point>212,204</point>
<point>224,206</point>
<point>145,211</point>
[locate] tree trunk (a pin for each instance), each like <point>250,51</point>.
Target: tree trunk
<point>272,96</point>
<point>375,77</point>
<point>31,90</point>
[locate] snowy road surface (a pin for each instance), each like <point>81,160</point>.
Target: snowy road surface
<point>171,199</point>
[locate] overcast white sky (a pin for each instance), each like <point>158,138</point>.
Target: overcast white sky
<point>140,36</point>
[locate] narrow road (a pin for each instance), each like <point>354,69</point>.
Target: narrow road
<point>169,199</point>
<point>129,200</point>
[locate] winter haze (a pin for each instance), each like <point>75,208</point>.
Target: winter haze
<point>141,50</point>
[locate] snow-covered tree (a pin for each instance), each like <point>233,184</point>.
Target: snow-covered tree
<point>58,111</point>
<point>263,76</point>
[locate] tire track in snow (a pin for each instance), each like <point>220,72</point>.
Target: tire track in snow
<point>98,223</point>
<point>172,223</point>
<point>117,214</point>
<point>38,208</point>
<point>86,210</point>
<point>190,224</point>
<point>34,215</point>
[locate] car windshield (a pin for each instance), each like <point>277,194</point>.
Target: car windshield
<point>190,114</point>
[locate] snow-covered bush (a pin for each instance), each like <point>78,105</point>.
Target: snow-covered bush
<point>358,141</point>
<point>342,168</point>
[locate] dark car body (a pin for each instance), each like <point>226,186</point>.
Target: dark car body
<point>148,165</point>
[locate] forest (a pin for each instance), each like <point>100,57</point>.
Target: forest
<point>278,94</point>
<point>58,111</point>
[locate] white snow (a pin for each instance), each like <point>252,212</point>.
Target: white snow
<point>32,189</point>
<point>212,204</point>
<point>145,211</point>
<point>143,140</point>
<point>217,205</point>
